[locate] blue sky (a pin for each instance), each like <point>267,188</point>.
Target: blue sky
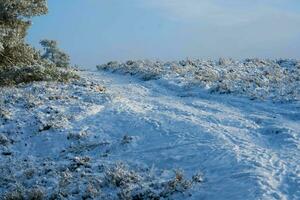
<point>97,31</point>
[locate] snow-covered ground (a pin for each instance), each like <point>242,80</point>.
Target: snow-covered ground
<point>114,136</point>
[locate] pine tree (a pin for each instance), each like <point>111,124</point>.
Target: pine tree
<point>54,54</point>
<point>15,18</point>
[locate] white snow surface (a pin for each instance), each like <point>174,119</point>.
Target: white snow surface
<point>66,138</point>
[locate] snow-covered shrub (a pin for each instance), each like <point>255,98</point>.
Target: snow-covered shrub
<point>225,61</point>
<point>277,80</point>
<point>3,140</point>
<point>36,193</point>
<point>5,114</point>
<point>78,162</point>
<point>14,195</point>
<point>140,185</point>
<point>126,139</point>
<point>146,70</point>
<point>120,176</point>
<point>109,66</point>
<point>177,185</point>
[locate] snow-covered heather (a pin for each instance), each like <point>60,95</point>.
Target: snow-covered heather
<point>111,136</point>
<point>277,80</point>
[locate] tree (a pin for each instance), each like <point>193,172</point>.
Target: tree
<point>54,54</point>
<point>15,18</point>
<point>19,62</point>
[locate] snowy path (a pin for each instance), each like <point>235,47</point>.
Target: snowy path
<point>245,149</point>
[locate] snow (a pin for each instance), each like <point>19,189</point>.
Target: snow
<point>111,136</point>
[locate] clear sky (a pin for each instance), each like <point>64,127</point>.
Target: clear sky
<point>97,31</point>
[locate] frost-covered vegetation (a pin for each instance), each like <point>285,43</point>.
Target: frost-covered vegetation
<point>19,62</point>
<point>277,80</point>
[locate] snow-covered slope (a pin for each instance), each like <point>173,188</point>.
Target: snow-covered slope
<point>68,141</point>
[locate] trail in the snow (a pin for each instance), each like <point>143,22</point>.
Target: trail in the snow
<point>245,149</point>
